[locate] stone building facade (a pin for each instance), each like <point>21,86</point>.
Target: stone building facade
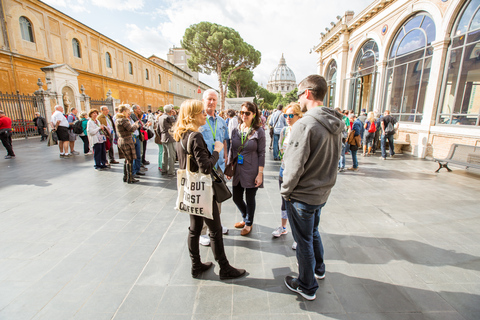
<point>416,58</point>
<point>282,79</point>
<point>35,37</point>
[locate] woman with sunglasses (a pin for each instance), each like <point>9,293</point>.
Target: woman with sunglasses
<point>191,117</point>
<point>248,150</point>
<point>292,113</point>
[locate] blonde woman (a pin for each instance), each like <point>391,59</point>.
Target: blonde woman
<point>292,113</point>
<point>370,129</point>
<point>190,118</point>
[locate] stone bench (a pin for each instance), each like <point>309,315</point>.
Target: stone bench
<point>398,145</point>
<point>462,155</point>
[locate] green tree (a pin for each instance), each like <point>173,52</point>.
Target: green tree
<point>241,83</point>
<point>219,49</point>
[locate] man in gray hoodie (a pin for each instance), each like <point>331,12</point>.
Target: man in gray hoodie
<point>311,161</point>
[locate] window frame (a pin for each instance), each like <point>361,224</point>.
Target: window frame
<point>76,45</point>
<point>24,22</point>
<point>108,60</point>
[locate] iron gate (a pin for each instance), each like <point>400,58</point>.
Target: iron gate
<point>96,104</point>
<point>21,109</point>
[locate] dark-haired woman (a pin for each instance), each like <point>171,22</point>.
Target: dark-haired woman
<point>248,149</point>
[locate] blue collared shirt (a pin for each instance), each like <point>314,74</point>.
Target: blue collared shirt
<point>221,134</point>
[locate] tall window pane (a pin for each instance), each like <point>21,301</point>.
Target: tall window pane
<point>408,68</point>
<point>76,48</point>
<point>146,74</point>
<point>108,60</point>
<point>130,68</point>
<point>460,102</point>
<point>26,29</point>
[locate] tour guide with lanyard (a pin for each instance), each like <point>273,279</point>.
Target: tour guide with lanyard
<point>231,166</point>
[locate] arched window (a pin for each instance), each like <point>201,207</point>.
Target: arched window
<point>408,68</point>
<point>146,74</point>
<point>331,77</point>
<point>76,48</point>
<point>26,29</point>
<point>130,67</point>
<point>108,60</point>
<point>159,79</point>
<point>364,78</point>
<point>460,101</point>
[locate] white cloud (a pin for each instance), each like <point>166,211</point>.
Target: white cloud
<point>127,5</point>
<point>147,41</point>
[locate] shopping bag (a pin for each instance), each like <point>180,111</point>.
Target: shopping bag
<point>52,138</point>
<point>195,192</point>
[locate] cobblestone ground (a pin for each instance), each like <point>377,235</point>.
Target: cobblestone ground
<point>401,242</point>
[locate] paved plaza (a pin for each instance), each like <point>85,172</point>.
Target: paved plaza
<point>401,242</point>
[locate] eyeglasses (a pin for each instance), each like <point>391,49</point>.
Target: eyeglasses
<point>290,115</point>
<point>299,94</point>
<point>247,113</point>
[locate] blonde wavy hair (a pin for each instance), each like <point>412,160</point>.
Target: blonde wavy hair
<point>371,117</point>
<point>297,110</point>
<point>187,118</point>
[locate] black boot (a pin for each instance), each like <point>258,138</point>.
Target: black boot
<point>125,170</point>
<point>199,268</point>
<point>131,179</point>
<point>228,272</point>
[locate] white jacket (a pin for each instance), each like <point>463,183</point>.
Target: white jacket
<point>94,134</point>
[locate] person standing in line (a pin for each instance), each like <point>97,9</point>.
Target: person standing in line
<point>311,161</point>
<point>127,147</point>
<point>138,115</point>
<point>341,162</point>
<point>166,122</point>
<point>192,116</point>
<point>6,134</point>
<point>41,124</point>
<point>370,129</point>
<point>106,119</point>
<point>97,140</point>
<point>158,141</point>
<point>60,124</point>
<point>248,149</point>
<point>277,122</point>
<point>72,137</point>
<point>389,126</point>
<point>293,112</point>
<point>84,134</point>
<point>355,141</point>
<point>232,124</point>
<point>215,129</point>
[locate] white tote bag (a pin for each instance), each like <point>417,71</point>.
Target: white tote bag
<point>195,192</point>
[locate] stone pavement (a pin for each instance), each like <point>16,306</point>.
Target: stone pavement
<point>401,242</point>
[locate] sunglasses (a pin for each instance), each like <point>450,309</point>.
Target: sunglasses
<point>299,94</point>
<point>247,113</point>
<point>290,115</point>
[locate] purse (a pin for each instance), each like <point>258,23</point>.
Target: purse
<point>220,190</point>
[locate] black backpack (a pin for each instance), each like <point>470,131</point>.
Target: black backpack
<point>77,127</point>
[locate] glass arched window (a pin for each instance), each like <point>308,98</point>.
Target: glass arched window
<point>159,79</point>
<point>26,29</point>
<point>460,101</point>
<point>130,67</point>
<point>146,74</point>
<point>108,60</point>
<point>408,68</point>
<point>76,48</point>
<point>364,78</point>
<point>331,76</point>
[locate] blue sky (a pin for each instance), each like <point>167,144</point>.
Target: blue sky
<point>272,27</point>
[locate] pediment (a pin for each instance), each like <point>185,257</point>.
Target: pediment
<point>61,68</point>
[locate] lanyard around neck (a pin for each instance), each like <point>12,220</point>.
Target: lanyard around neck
<point>243,136</point>
<point>214,133</point>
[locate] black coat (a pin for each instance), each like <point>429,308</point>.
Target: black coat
<point>40,122</point>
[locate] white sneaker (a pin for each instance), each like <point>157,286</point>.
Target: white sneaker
<point>89,153</point>
<point>294,246</point>
<point>224,230</point>
<point>279,231</point>
<point>75,153</point>
<point>205,240</point>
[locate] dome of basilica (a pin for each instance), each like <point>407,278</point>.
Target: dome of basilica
<point>282,79</point>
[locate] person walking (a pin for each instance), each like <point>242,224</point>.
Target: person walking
<point>191,117</point>
<point>41,125</point>
<point>311,161</point>
<point>6,134</point>
<point>248,150</point>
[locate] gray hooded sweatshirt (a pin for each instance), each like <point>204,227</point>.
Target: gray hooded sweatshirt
<point>311,158</point>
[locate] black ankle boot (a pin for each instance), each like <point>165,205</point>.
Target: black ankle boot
<point>199,269</point>
<point>131,179</point>
<point>229,272</point>
<point>125,175</point>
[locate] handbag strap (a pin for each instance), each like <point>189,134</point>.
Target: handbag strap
<point>188,150</point>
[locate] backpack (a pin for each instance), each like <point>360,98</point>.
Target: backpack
<point>77,127</point>
<point>389,130</point>
<point>373,127</point>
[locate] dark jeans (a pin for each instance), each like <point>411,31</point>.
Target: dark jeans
<point>276,137</point>
<point>137,162</point>
<point>144,150</point>
<point>216,237</point>
<point>390,145</point>
<point>7,143</point>
<point>99,155</point>
<point>247,209</point>
<point>304,220</point>
<point>354,158</point>
<point>86,146</point>
<point>111,152</point>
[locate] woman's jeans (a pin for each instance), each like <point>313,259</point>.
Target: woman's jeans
<point>137,162</point>
<point>354,158</point>
<point>99,155</point>
<point>304,220</point>
<point>247,209</point>
<point>160,155</point>
<point>341,162</point>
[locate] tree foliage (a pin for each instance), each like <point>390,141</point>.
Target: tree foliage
<point>241,84</point>
<point>219,49</point>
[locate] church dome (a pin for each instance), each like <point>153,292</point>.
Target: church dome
<point>282,79</point>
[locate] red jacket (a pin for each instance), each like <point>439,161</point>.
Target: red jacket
<point>5,123</point>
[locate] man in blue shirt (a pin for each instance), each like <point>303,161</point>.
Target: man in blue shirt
<point>277,122</point>
<point>215,129</point>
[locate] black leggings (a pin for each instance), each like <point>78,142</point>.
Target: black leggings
<point>216,238</point>
<point>247,209</point>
